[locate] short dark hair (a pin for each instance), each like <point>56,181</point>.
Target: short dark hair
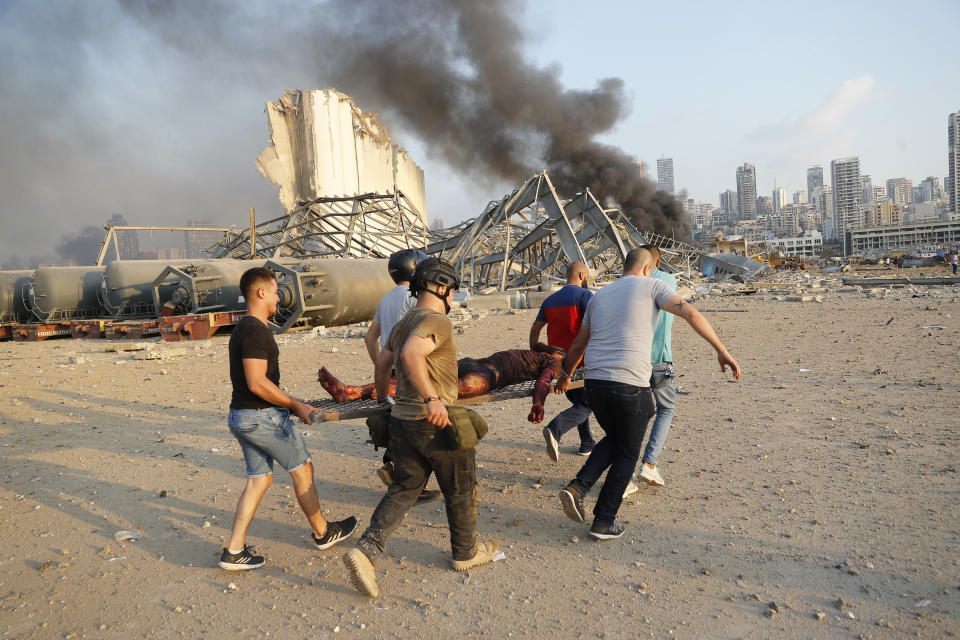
<point>252,276</point>
<point>634,257</point>
<point>653,249</point>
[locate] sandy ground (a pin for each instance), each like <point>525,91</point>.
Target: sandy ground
<point>815,498</point>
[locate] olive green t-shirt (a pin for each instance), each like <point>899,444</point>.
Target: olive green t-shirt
<point>441,362</point>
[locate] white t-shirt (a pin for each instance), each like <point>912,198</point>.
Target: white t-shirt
<point>392,307</point>
<point>623,317</point>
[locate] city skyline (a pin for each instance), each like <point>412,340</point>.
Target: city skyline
<point>111,133</point>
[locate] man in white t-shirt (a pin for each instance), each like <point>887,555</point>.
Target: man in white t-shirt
<point>396,303</point>
<point>615,342</point>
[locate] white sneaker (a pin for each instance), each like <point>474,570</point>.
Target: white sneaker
<point>631,489</point>
<point>650,475</point>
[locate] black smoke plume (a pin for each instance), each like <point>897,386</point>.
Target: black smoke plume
<point>453,71</point>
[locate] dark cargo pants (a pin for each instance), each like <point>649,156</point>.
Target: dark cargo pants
<point>418,449</point>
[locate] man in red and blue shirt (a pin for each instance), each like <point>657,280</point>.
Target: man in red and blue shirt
<point>561,313</point>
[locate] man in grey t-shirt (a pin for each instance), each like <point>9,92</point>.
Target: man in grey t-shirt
<point>614,342</point>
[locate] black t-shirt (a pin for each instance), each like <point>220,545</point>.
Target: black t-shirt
<point>252,339</point>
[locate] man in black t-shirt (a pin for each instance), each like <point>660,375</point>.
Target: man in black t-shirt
<point>261,420</point>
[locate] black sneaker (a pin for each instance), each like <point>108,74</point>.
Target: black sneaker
<point>336,531</point>
<point>240,561</point>
<point>572,503</point>
<point>605,532</point>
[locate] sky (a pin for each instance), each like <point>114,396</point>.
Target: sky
<point>155,110</point>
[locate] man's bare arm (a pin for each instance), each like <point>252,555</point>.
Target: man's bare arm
<point>535,331</point>
<point>372,340</point>
<point>414,359</point>
<point>679,307</point>
<point>255,371</point>
<point>383,364</point>
<point>572,360</point>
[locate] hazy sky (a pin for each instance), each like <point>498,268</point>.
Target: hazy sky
<point>155,110</point>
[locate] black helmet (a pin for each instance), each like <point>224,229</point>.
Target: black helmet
<point>403,262</point>
<point>435,270</point>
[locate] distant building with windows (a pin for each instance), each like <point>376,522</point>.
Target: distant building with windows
<point>906,236</point>
<point>814,182</point>
<point>198,241</point>
<point>952,185</point>
<point>808,245</point>
<point>746,192</point>
<point>665,175</point>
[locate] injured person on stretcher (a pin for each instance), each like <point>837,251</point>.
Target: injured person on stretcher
<point>477,377</point>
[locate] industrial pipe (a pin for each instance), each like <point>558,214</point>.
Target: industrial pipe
<point>13,295</point>
<point>61,293</point>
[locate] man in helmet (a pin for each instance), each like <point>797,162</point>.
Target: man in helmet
<point>396,303</point>
<point>392,307</point>
<point>421,350</point>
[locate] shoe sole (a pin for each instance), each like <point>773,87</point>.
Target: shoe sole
<point>630,491</point>
<point>343,536</point>
<point>584,453</point>
<point>605,536</point>
<point>650,480</point>
<point>478,560</point>
<point>553,447</point>
<point>229,566</point>
<point>569,504</point>
<point>362,574</point>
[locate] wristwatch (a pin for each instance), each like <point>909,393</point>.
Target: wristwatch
<point>428,399</point>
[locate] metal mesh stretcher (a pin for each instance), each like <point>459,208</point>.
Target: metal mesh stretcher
<point>332,411</point>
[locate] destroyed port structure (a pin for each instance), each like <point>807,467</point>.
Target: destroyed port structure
<point>351,197</point>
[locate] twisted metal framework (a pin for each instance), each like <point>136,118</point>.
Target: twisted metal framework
<point>367,226</point>
<point>528,237</point>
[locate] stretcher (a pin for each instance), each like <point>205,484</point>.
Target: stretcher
<point>332,411</point>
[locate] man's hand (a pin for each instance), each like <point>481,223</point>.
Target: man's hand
<point>725,359</point>
<point>563,382</point>
<point>437,414</point>
<point>303,411</point>
<point>536,414</point>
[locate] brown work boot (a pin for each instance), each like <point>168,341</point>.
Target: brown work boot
<point>484,554</point>
<point>362,574</point>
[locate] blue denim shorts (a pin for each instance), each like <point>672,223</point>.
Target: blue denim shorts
<point>266,435</point>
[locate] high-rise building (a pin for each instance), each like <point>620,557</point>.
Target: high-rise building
<point>665,175</point>
<point>746,192</point>
<point>764,206</point>
<point>800,197</point>
<point>198,241</point>
<point>879,193</point>
<point>899,190</point>
<point>641,169</point>
<point>728,204</point>
<point>931,186</point>
<point>779,199</point>
<point>866,190</point>
<point>824,204</point>
<point>814,181</point>
<point>952,185</point>
<point>847,206</point>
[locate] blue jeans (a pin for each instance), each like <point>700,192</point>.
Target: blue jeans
<point>663,383</point>
<point>266,435</point>
<point>577,415</point>
<point>623,411</point>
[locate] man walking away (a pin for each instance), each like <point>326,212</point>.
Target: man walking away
<point>261,421</point>
<point>561,313</point>
<point>615,342</point>
<point>663,382</point>
<point>422,351</point>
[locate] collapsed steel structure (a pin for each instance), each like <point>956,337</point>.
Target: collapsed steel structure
<point>525,240</point>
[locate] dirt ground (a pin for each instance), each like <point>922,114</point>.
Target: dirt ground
<point>815,498</point>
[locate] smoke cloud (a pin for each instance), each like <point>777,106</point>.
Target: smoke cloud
<point>155,109</point>
<point>453,72</point>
